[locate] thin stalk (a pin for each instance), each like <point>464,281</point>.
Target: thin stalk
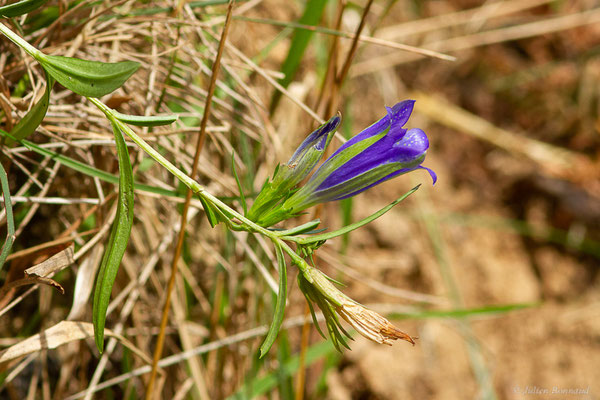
<point>198,189</point>
<point>344,72</point>
<point>245,223</point>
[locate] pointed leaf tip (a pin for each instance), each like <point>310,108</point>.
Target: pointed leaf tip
<point>88,78</point>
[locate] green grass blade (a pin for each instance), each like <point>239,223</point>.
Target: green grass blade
<point>88,78</point>
<point>358,224</point>
<point>300,39</point>
<point>464,312</point>
<point>300,229</point>
<point>138,11</point>
<point>90,171</point>
<point>279,306</point>
<point>239,185</point>
<point>29,123</point>
<point>117,242</point>
<point>10,222</point>
<point>20,8</point>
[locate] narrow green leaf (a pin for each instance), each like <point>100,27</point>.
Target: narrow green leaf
<point>29,123</point>
<point>304,228</point>
<point>260,386</point>
<point>140,120</point>
<point>10,222</point>
<point>88,78</point>
<point>211,215</point>
<point>239,185</point>
<point>305,288</point>
<point>117,242</point>
<point>300,39</point>
<point>356,225</point>
<point>279,305</point>
<point>20,8</point>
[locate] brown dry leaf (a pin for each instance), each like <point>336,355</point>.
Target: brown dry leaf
<point>38,274</point>
<point>62,333</point>
<point>36,254</point>
<point>52,265</point>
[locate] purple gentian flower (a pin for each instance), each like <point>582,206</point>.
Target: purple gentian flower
<point>382,151</point>
<point>302,162</point>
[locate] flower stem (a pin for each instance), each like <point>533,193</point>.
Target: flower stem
<point>246,224</point>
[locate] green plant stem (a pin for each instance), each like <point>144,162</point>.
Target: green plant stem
<point>246,224</point>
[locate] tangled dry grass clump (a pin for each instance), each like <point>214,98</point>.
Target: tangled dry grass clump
<point>507,92</point>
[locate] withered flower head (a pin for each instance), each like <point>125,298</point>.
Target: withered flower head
<point>319,289</point>
<point>370,324</point>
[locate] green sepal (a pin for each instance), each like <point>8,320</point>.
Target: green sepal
<point>334,327</point>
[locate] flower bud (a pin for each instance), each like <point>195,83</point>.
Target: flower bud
<point>308,154</point>
<point>302,162</point>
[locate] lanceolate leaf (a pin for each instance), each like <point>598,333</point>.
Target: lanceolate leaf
<point>10,222</point>
<point>20,8</point>
<point>140,120</point>
<point>88,78</point>
<point>117,242</point>
<point>29,123</point>
<point>279,306</point>
<point>356,225</point>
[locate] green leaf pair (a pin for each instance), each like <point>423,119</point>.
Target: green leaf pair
<point>90,79</point>
<point>279,305</point>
